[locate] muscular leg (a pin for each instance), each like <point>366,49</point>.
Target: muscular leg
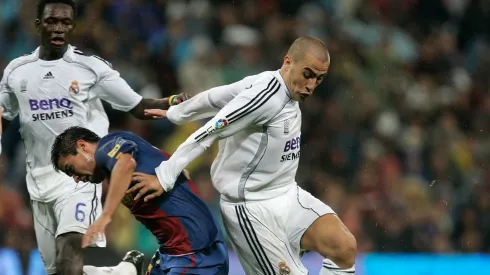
<point>330,238</point>
<point>69,256</point>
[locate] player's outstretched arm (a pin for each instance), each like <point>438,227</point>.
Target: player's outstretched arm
<point>118,184</point>
<point>203,105</point>
<point>252,107</point>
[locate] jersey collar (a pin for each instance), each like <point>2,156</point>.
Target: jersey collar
<point>70,52</point>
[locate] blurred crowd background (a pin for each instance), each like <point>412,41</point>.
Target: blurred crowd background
<point>395,140</point>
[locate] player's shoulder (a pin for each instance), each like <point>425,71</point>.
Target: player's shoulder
<point>115,135</point>
<point>108,143</point>
<point>261,78</point>
<point>21,61</point>
<point>265,77</point>
<point>120,137</point>
<point>94,62</point>
<point>267,86</point>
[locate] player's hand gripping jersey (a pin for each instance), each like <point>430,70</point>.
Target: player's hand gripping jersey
<point>179,219</point>
<point>51,96</point>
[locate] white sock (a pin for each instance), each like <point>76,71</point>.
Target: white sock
<point>330,268</point>
<point>123,268</point>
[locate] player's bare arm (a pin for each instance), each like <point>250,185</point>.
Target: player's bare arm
<point>158,104</point>
<point>119,182</point>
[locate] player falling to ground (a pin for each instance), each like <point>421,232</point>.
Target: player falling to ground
<point>51,89</point>
<point>189,237</point>
<point>268,217</point>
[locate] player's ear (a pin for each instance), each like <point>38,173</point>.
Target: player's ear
<point>287,61</point>
<point>37,25</point>
<point>82,145</point>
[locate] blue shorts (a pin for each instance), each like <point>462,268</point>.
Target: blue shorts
<point>212,261</point>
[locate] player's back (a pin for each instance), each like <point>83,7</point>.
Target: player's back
<point>179,219</point>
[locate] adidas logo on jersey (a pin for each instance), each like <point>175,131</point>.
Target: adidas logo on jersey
<point>49,75</point>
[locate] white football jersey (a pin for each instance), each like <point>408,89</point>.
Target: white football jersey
<point>259,128</point>
<point>51,96</point>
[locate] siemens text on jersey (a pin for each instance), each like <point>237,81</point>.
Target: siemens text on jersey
<point>291,145</point>
<point>57,108</point>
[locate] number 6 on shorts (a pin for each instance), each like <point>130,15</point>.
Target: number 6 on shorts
<point>79,214</point>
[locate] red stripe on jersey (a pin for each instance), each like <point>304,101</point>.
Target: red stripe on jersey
<point>169,229</point>
<point>167,155</point>
<point>193,188</point>
<point>193,264</point>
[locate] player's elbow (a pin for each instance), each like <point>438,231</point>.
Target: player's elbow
<point>139,113</point>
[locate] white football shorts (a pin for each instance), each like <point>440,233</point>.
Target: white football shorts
<point>74,211</point>
<point>266,235</point>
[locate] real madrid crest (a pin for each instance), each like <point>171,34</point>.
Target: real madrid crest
<point>74,88</point>
<point>284,269</point>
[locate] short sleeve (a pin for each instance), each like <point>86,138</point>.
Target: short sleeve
<point>113,89</point>
<point>8,100</point>
<point>109,151</point>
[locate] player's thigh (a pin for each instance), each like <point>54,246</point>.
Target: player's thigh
<point>79,209</point>
<point>312,222</point>
<point>45,228</point>
<point>258,237</point>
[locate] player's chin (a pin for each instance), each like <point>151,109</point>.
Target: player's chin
<point>57,45</point>
<point>300,97</point>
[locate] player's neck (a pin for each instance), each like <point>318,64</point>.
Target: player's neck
<point>48,55</point>
<point>283,75</point>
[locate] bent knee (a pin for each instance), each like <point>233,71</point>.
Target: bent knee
<point>69,254</point>
<point>345,255</point>
<point>330,238</point>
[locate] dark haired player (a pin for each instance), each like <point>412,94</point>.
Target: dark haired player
<point>189,237</point>
<point>51,89</point>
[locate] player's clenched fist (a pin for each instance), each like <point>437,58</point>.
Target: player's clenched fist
<point>146,183</point>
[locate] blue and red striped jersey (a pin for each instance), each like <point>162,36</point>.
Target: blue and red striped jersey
<point>179,219</point>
